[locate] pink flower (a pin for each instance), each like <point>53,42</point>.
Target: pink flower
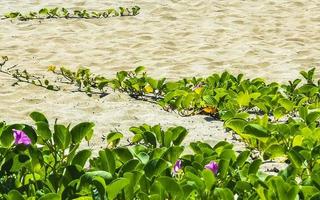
<point>213,166</point>
<point>177,166</point>
<point>21,137</point>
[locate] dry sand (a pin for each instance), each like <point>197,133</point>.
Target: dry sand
<point>271,39</point>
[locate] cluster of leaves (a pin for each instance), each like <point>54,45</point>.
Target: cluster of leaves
<point>279,120</point>
<point>224,96</point>
<point>47,13</point>
<point>26,77</point>
<point>83,79</point>
<point>45,165</point>
<point>261,113</point>
<point>53,167</point>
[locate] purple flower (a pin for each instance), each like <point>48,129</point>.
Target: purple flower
<point>213,166</point>
<point>21,137</point>
<point>177,166</point>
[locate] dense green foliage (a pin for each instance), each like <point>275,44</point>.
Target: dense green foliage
<point>223,96</point>
<point>262,113</point>
<point>47,13</point>
<point>53,167</point>
<point>278,120</point>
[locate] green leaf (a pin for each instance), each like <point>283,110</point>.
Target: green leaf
<point>287,104</point>
<point>171,186</point>
<point>304,74</point>
<point>156,167</point>
<point>2,125</point>
<point>309,191</point>
<point>209,178</point>
<point>121,75</point>
<point>243,99</point>
<point>283,190</point>
<point>116,187</point>
<point>123,154</point>
<point>242,115</point>
<point>137,138</point>
<point>38,117</point>
<point>108,162</point>
<point>122,10</point>
<point>20,161</point>
<point>50,196</point>
<point>15,195</point>
<point>188,100</point>
<point>199,183</point>
<point>81,130</point>
<point>167,138</point>
<point>254,166</point>
<point>43,11</point>
<point>279,112</point>
<point>172,86</point>
<point>90,175</point>
<point>178,134</point>
<point>173,153</point>
<point>12,15</point>
<point>261,105</point>
<point>129,166</point>
<point>159,134</point>
<point>114,138</point>
<point>97,179</point>
<point>274,150</point>
<point>133,186</point>
<point>61,136</point>
<point>43,130</point>
<point>315,196</point>
<point>242,158</point>
<point>237,125</point>
<point>303,112</point>
<point>242,187</point>
<point>210,100</point>
<point>315,153</point>
<point>136,130</point>
<point>100,185</point>
<point>81,157</point>
<point>228,154</point>
<point>223,194</point>
<point>153,83</point>
<point>297,140</point>
<point>223,168</point>
<point>256,131</point>
<point>176,93</point>
<point>295,158</point>
<point>139,69</point>
<point>157,191</point>
<point>143,157</point>
<point>150,138</point>
<point>313,117</point>
<point>306,88</point>
<point>255,95</point>
<point>315,177</point>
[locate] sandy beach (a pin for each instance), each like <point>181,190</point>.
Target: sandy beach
<point>174,39</point>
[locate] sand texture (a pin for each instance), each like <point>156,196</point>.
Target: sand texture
<point>270,39</point>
